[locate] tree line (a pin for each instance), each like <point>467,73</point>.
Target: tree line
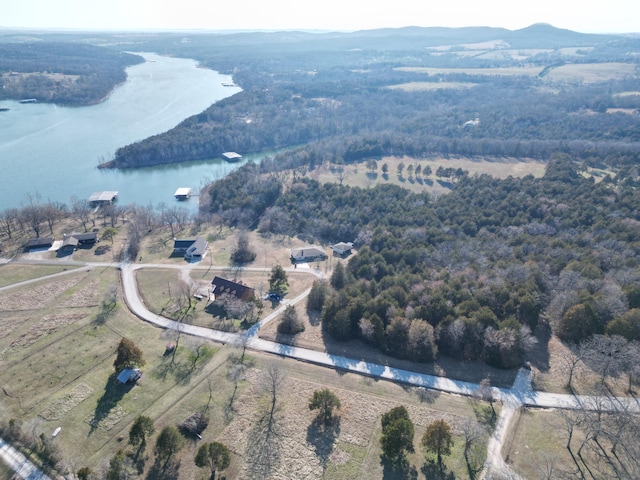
<point>473,274</point>
<point>32,69</point>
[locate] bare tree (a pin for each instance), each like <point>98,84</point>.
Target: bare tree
<point>33,213</point>
<point>8,221</point>
<point>485,392</point>
<point>263,448</point>
<point>81,212</point>
<point>570,362</point>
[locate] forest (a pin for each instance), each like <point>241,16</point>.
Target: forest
<point>364,94</point>
<point>473,274</point>
<point>64,73</point>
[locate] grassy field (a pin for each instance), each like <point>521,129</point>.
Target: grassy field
<point>538,442</point>
<point>508,71</point>
<point>161,288</point>
<point>428,86</point>
<point>56,370</point>
<point>359,175</point>
<point>591,72</point>
<point>572,73</point>
<point>14,273</point>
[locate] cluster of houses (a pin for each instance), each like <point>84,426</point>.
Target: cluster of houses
<point>314,253</point>
<point>66,246</point>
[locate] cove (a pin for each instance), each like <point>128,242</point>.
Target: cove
<point>54,151</point>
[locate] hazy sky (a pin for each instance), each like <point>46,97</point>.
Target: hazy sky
<point>586,16</point>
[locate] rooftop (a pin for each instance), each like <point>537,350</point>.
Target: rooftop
<point>101,197</point>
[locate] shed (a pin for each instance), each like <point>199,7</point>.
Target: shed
<point>238,290</point>
<point>342,249</point>
<point>310,253</point>
<point>232,156</point>
<point>129,375</point>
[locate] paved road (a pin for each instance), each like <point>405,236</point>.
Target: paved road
<point>19,463</point>
<point>520,394</point>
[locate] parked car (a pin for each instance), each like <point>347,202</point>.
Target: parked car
<point>274,297</point>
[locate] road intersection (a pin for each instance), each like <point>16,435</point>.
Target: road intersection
<point>519,395</point>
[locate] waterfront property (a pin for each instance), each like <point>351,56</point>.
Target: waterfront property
<point>232,156</point>
<point>192,248</point>
<point>102,198</point>
<point>222,286</point>
<point>310,253</point>
<point>183,193</point>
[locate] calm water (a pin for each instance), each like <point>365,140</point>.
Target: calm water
<point>54,151</point>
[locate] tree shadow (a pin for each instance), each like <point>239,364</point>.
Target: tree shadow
<point>426,396</point>
<point>323,437</point>
<point>181,371</point>
<point>314,317</point>
<point>114,391</point>
<point>432,471</point>
<point>484,414</point>
<point>138,459</point>
<point>264,446</point>
<point>164,471</point>
<point>399,469</point>
<point>539,355</point>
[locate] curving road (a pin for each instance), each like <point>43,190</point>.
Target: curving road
<point>519,395</point>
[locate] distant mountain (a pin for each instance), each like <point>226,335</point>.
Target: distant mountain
<point>539,35</point>
<point>543,35</point>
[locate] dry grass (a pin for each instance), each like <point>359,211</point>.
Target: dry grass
<point>508,71</point>
<point>59,407</point>
<point>64,379</point>
<point>538,440</point>
<point>591,72</point>
<point>37,296</point>
<point>11,273</point>
<point>430,86</point>
<point>358,174</point>
<point>585,380</point>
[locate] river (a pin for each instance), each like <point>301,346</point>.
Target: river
<point>53,151</point>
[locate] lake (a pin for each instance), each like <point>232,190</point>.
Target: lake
<point>54,151</point>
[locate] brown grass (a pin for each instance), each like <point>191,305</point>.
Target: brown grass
<point>358,174</point>
<point>11,273</point>
<point>591,72</point>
